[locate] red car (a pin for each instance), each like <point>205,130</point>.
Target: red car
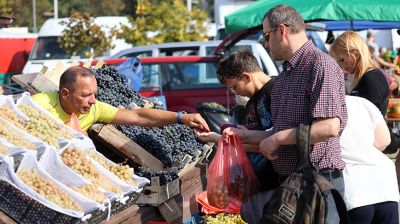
<point>184,81</point>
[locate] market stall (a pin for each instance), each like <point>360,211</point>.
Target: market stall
<point>166,171</point>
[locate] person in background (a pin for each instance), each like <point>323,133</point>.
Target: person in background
<point>367,81</point>
<point>396,61</point>
<point>352,54</point>
<point>76,94</point>
<point>242,73</point>
<point>310,89</point>
<point>392,81</point>
<point>382,51</point>
<point>371,192</point>
<point>371,42</point>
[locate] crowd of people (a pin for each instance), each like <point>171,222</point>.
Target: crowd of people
<point>348,129</point>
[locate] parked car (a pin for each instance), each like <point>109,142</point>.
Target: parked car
<point>184,81</point>
<point>47,52</point>
<point>205,48</point>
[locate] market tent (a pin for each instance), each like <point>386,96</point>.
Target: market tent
<point>373,10</point>
<point>358,25</point>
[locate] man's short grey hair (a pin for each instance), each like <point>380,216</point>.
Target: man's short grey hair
<point>284,14</point>
<point>69,76</point>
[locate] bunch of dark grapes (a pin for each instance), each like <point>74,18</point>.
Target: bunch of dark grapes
<point>168,143</point>
<point>165,176</point>
<point>114,89</point>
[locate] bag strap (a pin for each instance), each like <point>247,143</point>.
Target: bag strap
<point>340,206</point>
<point>304,162</point>
<point>303,146</point>
<point>326,186</point>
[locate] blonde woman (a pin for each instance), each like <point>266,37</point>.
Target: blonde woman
<point>352,54</point>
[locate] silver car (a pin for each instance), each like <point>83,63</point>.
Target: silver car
<point>198,48</point>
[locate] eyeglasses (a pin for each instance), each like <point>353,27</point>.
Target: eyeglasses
<point>267,34</point>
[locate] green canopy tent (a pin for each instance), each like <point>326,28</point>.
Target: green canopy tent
<point>248,20</point>
<point>316,10</point>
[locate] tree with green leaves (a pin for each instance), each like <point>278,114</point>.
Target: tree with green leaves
<point>6,7</point>
<point>83,35</point>
<point>21,10</point>
<point>168,21</point>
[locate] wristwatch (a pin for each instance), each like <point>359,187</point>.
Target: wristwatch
<point>179,116</point>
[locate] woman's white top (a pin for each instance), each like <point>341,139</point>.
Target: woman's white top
<point>369,175</point>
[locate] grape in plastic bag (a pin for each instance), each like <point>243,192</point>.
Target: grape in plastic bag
<point>230,176</point>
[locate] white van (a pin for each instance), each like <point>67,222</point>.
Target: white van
<point>200,48</point>
<point>47,51</point>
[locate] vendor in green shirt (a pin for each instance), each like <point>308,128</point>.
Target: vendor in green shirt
<point>76,94</point>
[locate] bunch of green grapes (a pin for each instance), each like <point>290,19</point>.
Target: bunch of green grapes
<point>123,172</point>
<point>223,219</point>
<point>76,160</point>
<point>90,191</point>
<point>48,190</point>
<point>13,137</point>
<point>3,149</point>
<point>7,113</point>
<point>43,127</point>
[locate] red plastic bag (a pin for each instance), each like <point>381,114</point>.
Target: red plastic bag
<point>231,178</point>
<point>232,208</point>
<point>73,122</point>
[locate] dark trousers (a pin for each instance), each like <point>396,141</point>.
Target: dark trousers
<point>385,212</point>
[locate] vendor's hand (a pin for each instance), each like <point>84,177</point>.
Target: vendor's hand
<point>268,147</point>
<point>207,136</point>
<point>195,121</point>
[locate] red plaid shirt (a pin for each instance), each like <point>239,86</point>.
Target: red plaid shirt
<point>311,86</point>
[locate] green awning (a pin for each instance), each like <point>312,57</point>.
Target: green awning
<point>316,10</point>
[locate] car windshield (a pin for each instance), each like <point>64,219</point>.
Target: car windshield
<point>210,50</point>
<point>48,48</point>
<point>179,75</point>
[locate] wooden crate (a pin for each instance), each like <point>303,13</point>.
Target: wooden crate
<point>155,194</point>
<point>162,197</point>
<point>118,142</point>
<point>193,182</point>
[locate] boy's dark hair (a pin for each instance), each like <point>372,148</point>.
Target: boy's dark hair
<point>238,62</point>
<point>69,76</point>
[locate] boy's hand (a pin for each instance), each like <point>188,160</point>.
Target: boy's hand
<point>207,136</point>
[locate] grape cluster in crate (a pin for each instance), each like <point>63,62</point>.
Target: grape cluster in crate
<point>169,143</point>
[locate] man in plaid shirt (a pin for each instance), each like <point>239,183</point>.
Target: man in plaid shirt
<point>310,89</point>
